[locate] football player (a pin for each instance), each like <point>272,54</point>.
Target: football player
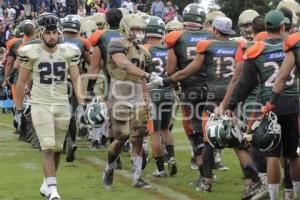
<point>181,51</point>
<point>263,61</point>
<point>162,98</point>
<point>127,108</point>
<point>100,40</point>
<point>27,31</point>
<point>49,64</point>
<point>291,48</point>
<point>71,28</point>
<point>217,56</point>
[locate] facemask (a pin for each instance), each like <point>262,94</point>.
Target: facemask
<point>139,38</point>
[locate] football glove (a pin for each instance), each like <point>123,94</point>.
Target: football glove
<point>155,81</point>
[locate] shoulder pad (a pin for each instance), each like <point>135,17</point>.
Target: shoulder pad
<point>254,50</point>
<point>11,42</point>
<point>172,38</point>
<point>147,46</point>
<point>202,45</point>
<point>118,46</point>
<point>24,53</point>
<point>72,53</point>
<point>86,42</point>
<point>146,52</point>
<point>291,41</point>
<point>261,36</point>
<point>95,37</point>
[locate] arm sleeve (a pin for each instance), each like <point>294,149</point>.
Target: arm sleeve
<point>247,82</point>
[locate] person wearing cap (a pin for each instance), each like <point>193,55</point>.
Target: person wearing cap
<point>263,61</point>
<point>217,56</point>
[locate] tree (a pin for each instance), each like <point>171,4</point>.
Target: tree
<point>233,8</point>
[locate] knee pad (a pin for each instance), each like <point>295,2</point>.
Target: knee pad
<point>197,143</point>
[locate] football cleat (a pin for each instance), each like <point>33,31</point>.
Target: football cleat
<point>141,184</point>
<point>254,190</point>
<point>205,186</point>
<point>172,168</point>
<point>220,166</point>
<point>288,194</point>
<point>159,174</point>
<point>108,177</point>
<point>70,150</point>
<point>194,165</point>
<point>44,190</point>
<point>54,196</point>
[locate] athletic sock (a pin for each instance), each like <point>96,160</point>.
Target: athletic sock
<point>137,168</point>
<point>273,191</point>
<point>200,168</point>
<point>296,186</point>
<point>170,150</point>
<point>52,184</point>
<point>160,163</point>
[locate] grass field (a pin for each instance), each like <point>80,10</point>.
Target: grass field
<point>21,173</point>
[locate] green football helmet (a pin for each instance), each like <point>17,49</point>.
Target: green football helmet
<point>193,14</point>
<point>23,24</point>
<point>245,23</point>
<point>71,23</point>
<point>130,22</point>
<point>223,132</point>
<point>265,133</point>
<point>174,25</point>
<point>96,113</point>
<point>155,27</point>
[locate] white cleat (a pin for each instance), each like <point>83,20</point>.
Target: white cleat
<point>54,196</point>
<point>44,190</point>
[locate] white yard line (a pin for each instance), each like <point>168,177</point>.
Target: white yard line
<point>166,191</point>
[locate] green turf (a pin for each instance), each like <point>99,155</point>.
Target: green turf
<point>21,173</point>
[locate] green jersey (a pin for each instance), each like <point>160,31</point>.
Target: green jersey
<point>267,56</point>
<point>219,63</point>
<point>158,66</point>
<point>184,45</point>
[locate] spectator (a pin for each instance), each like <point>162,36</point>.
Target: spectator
<point>43,8</point>
<point>61,12</point>
<point>32,15</point>
<point>169,12</point>
<point>9,32</point>
<point>157,9</point>
<point>128,5</point>
<point>81,11</point>
<point>18,7</point>
<point>103,7</point>
<point>11,12</point>
<point>177,16</point>
<point>2,36</point>
<point>71,7</point>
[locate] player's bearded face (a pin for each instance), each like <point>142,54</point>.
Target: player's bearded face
<point>51,37</point>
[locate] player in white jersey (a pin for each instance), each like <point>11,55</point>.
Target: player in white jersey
<point>49,64</point>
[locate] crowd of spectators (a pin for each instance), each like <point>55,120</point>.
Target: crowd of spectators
<point>14,11</point>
